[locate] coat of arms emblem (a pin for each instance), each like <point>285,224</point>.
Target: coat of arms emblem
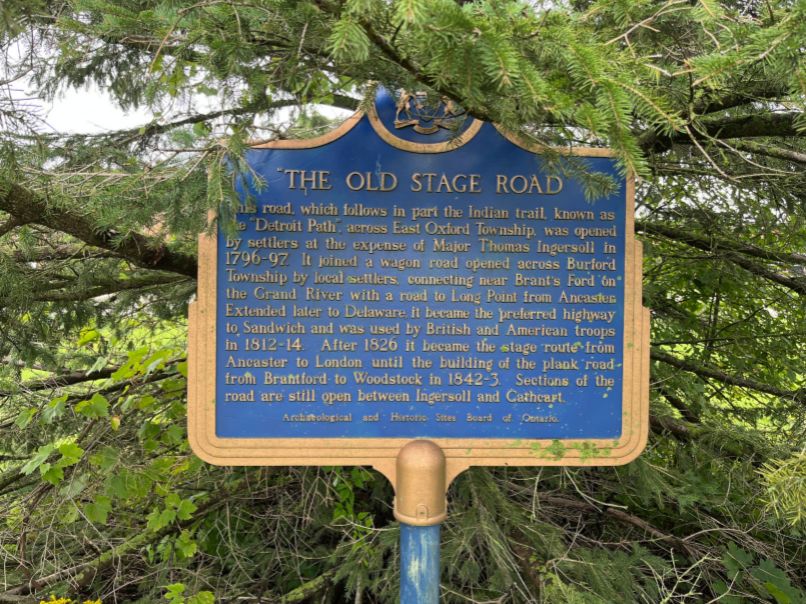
<point>413,110</point>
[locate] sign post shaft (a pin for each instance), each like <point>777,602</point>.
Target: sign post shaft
<point>419,564</point>
<point>420,506</point>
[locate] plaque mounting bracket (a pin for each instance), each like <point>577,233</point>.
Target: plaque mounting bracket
<point>420,484</point>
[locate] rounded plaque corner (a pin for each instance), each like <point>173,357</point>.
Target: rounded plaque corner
<point>634,447</point>
<point>201,452</point>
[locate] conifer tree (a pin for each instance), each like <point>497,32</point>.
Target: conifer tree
<point>100,496</point>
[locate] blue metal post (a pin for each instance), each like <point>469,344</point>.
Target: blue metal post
<point>419,564</point>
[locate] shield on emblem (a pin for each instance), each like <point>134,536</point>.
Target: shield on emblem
<point>413,110</point>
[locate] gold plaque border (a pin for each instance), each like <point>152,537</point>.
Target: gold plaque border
<point>382,452</point>
<point>533,147</point>
<point>398,143</point>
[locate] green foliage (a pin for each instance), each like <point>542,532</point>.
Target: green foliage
<point>764,579</point>
<point>175,594</point>
<point>38,459</point>
<point>786,488</point>
<point>349,41</point>
<point>95,407</point>
<point>175,508</point>
<point>99,492</point>
<point>98,510</point>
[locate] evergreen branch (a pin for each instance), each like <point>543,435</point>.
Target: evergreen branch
<point>625,518</point>
<point>715,373</point>
<point>796,284</point>
<point>748,126</point>
<point>678,404</point>
<point>24,482</point>
<point>776,152</point>
<point>87,571</point>
<point>10,457</point>
<point>155,128</point>
<point>339,100</point>
<point>157,376</point>
<point>712,244</point>
<point>722,443</point>
<point>784,334</point>
<point>9,225</point>
<point>62,252</point>
<point>10,477</point>
<point>392,54</point>
<point>64,379</point>
<point>766,91</point>
<point>752,126</point>
<point>308,589</point>
<point>146,252</point>
<point>667,7</point>
<point>68,379</point>
<point>95,290</point>
<point>524,557</point>
<point>664,424</point>
<point>79,378</point>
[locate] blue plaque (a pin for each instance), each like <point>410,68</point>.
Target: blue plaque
<point>420,274</point>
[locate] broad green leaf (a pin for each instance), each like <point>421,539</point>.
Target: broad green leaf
<point>203,597</point>
<point>777,583</point>
<point>104,458</point>
<point>98,510</point>
<point>54,409</point>
<point>175,591</point>
<point>38,459</point>
<point>156,361</point>
<point>53,474</point>
<point>129,484</point>
<point>780,596</point>
<point>132,366</point>
<point>185,545</point>
<point>68,513</point>
<point>74,487</point>
<point>71,454</point>
<point>160,519</point>
<point>25,417</point>
<point>185,509</point>
<point>99,364</point>
<point>87,336</point>
<point>173,434</point>
<point>144,402</point>
<point>735,560</point>
<point>95,407</point>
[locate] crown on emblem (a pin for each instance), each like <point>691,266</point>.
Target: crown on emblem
<point>412,110</point>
